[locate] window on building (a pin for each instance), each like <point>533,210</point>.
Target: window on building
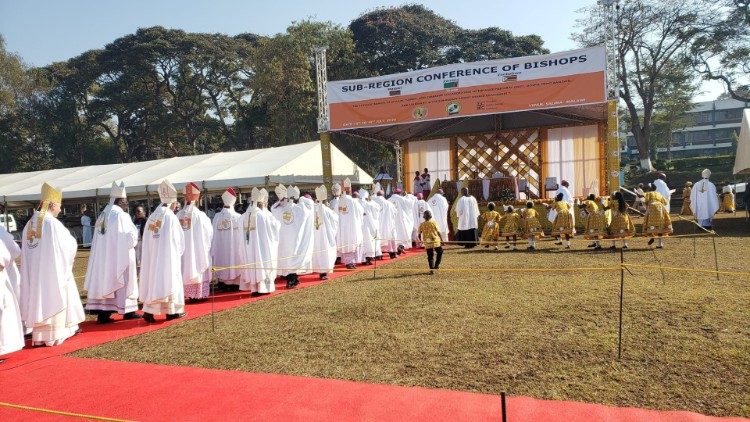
<point>732,114</point>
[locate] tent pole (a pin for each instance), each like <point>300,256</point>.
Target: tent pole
<point>96,202</point>
<point>148,201</point>
<point>325,152</point>
<point>5,211</point>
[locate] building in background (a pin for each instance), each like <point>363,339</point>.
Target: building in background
<point>712,127</point>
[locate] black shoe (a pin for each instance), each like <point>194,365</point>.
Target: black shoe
<point>338,261</point>
<point>625,247</point>
<point>558,243</point>
<point>613,247</point>
<point>323,276</point>
<point>368,261</point>
<point>104,318</point>
<point>432,272</point>
<point>660,247</point>
<point>651,241</point>
<point>567,247</point>
<point>591,245</point>
<point>221,286</point>
<point>350,266</point>
<point>131,315</point>
<point>400,250</point>
<point>289,282</point>
<point>148,317</point>
<point>170,317</point>
<point>392,255</point>
<point>597,247</point>
<point>295,281</point>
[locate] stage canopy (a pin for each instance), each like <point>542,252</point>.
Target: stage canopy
<point>545,90</point>
<point>298,164</point>
<point>742,160</point>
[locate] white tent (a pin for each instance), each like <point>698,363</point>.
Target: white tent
<point>291,164</point>
<point>742,160</point>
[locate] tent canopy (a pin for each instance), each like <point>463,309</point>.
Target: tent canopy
<point>291,164</point>
<point>742,160</point>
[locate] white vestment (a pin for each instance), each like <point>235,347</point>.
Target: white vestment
<point>387,224</point>
<point>295,235</point>
<point>415,220</point>
<point>467,210</point>
<point>350,224</point>
<point>161,289</point>
<point>440,208</point>
<point>50,302</point>
<point>334,205</point>
<point>198,232</point>
<point>325,226</point>
<point>260,250</point>
<point>419,208</point>
<point>12,271</point>
<point>663,189</point>
<point>11,327</point>
<point>87,230</point>
<point>370,226</point>
<point>704,201</point>
<point>226,245</point>
<point>111,279</point>
<point>404,219</point>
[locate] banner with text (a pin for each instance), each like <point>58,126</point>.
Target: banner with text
<point>466,89</point>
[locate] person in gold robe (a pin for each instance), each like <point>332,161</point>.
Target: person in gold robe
<point>491,230</point>
<point>531,227</point>
<point>686,199</point>
<point>621,226</point>
<point>563,225</point>
<point>511,227</point>
<point>596,222</point>
<point>727,201</point>
<point>657,222</point>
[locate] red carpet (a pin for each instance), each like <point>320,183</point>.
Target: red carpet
<point>94,334</point>
<point>43,379</point>
<point>138,391</point>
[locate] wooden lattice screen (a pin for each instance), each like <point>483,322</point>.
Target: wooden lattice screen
<point>512,153</point>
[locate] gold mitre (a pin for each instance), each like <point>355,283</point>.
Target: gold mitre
<point>50,194</point>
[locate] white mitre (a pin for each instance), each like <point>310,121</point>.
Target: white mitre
<point>167,192</point>
<point>117,191</point>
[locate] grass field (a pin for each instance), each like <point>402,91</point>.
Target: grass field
<point>479,325</point>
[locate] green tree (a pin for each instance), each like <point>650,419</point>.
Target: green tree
<point>723,54</point>
<point>652,37</point>
<point>402,38</point>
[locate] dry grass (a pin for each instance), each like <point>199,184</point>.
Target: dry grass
<point>548,335</point>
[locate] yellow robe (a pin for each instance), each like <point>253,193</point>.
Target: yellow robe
<point>686,201</point>
<point>657,221</point>
<point>563,223</point>
<point>596,223</point>
<point>491,229</point>
<point>621,226</point>
<point>530,223</point>
<point>511,225</point>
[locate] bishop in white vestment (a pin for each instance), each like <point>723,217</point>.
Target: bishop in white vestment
<point>295,235</point>
<point>161,289</point>
<point>386,224</point>
<point>440,208</point>
<point>50,303</point>
<point>420,206</point>
<point>111,276</point>
<point>11,327</point>
<point>198,232</point>
<point>704,201</point>
<point>370,225</point>
<point>404,219</point>
<point>260,246</point>
<point>227,243</point>
<point>350,214</point>
<point>325,227</point>
<point>663,189</point>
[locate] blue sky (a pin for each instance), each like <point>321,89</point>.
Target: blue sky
<point>45,31</point>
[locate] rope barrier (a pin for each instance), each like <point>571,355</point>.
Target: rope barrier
<point>61,413</point>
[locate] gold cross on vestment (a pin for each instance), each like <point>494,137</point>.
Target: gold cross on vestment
<point>703,187</point>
